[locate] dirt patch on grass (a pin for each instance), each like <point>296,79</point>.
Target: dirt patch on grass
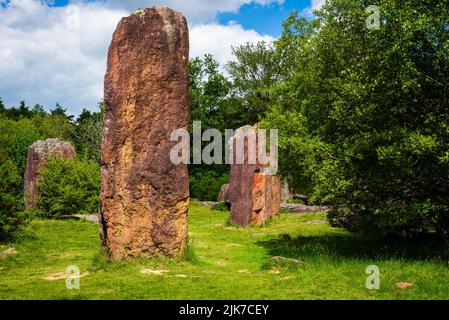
<point>287,278</point>
<point>275,270</point>
<point>405,285</point>
<point>244,271</point>
<point>221,263</point>
<point>8,252</point>
<point>233,245</point>
<point>62,275</point>
<point>314,222</point>
<point>154,272</point>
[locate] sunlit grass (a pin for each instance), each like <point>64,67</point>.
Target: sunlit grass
<point>226,262</point>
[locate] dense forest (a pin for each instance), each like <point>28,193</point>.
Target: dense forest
<point>362,113</point>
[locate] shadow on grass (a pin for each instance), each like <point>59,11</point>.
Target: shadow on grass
<point>350,246</point>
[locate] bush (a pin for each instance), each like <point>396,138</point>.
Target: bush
<point>363,114</point>
<point>205,185</point>
<point>221,206</point>
<point>12,218</point>
<point>68,187</point>
<point>15,138</point>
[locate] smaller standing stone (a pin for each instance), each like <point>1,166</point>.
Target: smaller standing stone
<point>286,194</point>
<point>38,153</point>
<point>255,197</point>
<point>223,195</point>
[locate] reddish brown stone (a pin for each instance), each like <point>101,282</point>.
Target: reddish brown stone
<point>255,197</point>
<point>38,153</point>
<point>144,197</point>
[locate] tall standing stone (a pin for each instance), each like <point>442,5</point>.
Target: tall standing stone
<point>144,196</point>
<point>38,153</point>
<point>255,197</point>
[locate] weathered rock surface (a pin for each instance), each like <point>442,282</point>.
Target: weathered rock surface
<point>301,208</point>
<point>303,198</point>
<point>223,196</point>
<point>286,193</point>
<point>38,153</point>
<point>144,196</point>
<point>255,197</point>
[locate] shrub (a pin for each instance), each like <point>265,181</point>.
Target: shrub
<point>69,187</point>
<point>221,206</point>
<point>12,218</point>
<point>15,138</point>
<point>363,114</point>
<point>205,185</point>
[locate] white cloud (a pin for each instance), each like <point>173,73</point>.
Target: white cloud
<point>314,5</point>
<point>196,11</point>
<point>218,39</point>
<point>43,59</point>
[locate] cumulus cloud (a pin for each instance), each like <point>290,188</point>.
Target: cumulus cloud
<point>48,55</point>
<point>315,5</point>
<point>196,11</point>
<point>218,40</point>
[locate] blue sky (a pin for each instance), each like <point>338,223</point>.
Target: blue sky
<point>45,59</point>
<point>265,19</point>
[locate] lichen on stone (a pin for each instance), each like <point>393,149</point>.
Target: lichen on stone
<point>140,12</point>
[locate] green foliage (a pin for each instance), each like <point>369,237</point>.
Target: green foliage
<point>295,201</point>
<point>69,187</point>
<point>363,113</point>
<point>212,100</point>
<point>16,113</point>
<point>54,126</point>
<point>221,206</point>
<point>15,138</point>
<point>206,184</point>
<point>214,104</point>
<point>189,254</point>
<point>89,134</point>
<point>253,74</point>
<point>85,133</point>
<point>12,218</point>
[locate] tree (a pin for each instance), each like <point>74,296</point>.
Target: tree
<point>363,113</point>
<point>253,74</point>
<point>60,112</point>
<point>23,110</point>
<point>15,138</point>
<point>211,98</point>
<point>212,102</point>
<point>88,134</point>
<point>38,110</point>
<point>55,125</point>
<point>12,218</point>
<point>16,113</point>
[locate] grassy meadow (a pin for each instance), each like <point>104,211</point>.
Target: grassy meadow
<point>226,262</point>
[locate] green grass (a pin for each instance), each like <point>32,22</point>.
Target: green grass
<point>226,262</point>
